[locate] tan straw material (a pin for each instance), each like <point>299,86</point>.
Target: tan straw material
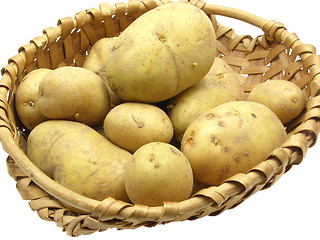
<point>277,54</point>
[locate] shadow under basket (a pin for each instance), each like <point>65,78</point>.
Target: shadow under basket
<point>277,54</point>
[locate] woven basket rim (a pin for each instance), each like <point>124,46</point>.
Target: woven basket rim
<point>291,152</point>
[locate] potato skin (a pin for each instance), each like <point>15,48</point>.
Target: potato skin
<point>222,73</point>
<point>284,98</point>
<point>96,62</point>
<point>158,172</point>
<point>79,158</point>
<point>96,59</point>
<point>219,86</point>
<point>131,125</point>
<point>162,53</point>
<point>188,105</point>
<point>73,93</point>
<point>231,138</point>
<point>26,98</point>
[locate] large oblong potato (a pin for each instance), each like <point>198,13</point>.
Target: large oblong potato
<point>284,98</point>
<point>231,138</point>
<point>79,158</point>
<point>131,125</point>
<point>158,172</point>
<point>73,93</point>
<point>163,52</point>
<point>26,98</point>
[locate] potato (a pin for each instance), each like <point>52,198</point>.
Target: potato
<point>96,62</point>
<point>220,85</point>
<point>158,172</point>
<point>231,138</point>
<point>73,93</point>
<point>163,52</point>
<point>284,98</point>
<point>222,73</point>
<point>96,59</point>
<point>131,125</point>
<point>26,99</point>
<point>79,158</point>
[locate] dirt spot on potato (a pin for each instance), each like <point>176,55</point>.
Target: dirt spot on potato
<point>235,112</point>
<point>92,161</point>
<point>151,159</point>
<point>214,140</point>
<point>237,158</point>
<point>210,116</point>
<point>173,151</point>
<point>189,141</point>
<point>31,104</point>
<point>253,115</point>
<point>162,38</point>
<point>221,123</point>
<point>117,46</point>
<point>220,76</point>
<point>139,124</point>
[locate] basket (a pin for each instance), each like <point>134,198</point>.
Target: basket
<point>277,54</point>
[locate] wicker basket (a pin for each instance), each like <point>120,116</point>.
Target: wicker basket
<point>277,54</point>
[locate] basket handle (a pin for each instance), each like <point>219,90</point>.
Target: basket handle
<point>273,31</point>
<point>235,13</point>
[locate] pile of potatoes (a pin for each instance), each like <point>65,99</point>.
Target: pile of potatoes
<point>153,114</point>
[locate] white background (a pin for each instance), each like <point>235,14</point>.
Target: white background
<point>290,209</point>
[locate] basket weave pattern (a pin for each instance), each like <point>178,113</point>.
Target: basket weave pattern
<point>277,54</point>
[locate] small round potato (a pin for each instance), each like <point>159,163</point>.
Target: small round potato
<point>26,98</point>
<point>73,93</point>
<point>131,125</point>
<point>158,172</point>
<point>284,98</point>
<point>231,138</point>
